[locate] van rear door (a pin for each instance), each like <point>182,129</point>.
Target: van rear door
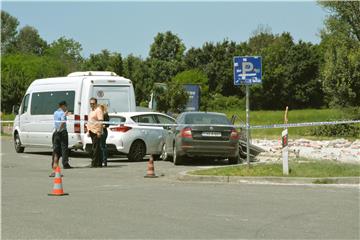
<point>116,97</point>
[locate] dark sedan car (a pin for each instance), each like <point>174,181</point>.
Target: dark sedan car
<point>202,134</point>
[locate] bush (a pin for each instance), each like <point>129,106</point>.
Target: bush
<point>340,130</point>
<point>219,102</point>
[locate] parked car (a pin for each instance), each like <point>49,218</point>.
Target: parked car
<point>134,135</point>
<point>202,134</point>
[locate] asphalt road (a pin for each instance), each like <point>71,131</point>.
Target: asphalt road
<point>118,202</point>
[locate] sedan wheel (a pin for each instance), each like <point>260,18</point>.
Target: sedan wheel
<point>177,159</point>
<point>137,151</point>
<point>234,160</point>
<point>17,144</point>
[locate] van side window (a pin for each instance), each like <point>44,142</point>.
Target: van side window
<point>25,104</point>
<point>43,103</point>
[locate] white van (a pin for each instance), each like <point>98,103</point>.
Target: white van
<point>34,124</point>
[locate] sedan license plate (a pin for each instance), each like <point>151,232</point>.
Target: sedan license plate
<point>211,134</point>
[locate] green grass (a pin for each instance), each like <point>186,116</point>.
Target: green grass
<point>6,117</point>
<point>294,116</point>
<point>276,117</point>
<point>304,168</point>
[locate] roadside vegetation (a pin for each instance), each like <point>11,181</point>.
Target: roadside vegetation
<point>297,74</point>
<point>323,78</point>
<point>297,168</point>
<point>349,131</point>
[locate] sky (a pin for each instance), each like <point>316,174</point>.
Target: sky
<point>130,27</point>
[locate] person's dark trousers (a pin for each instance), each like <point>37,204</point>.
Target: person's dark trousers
<point>96,151</point>
<point>104,147</point>
<point>56,147</point>
<point>64,142</point>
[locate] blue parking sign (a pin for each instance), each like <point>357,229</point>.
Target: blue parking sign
<point>247,70</point>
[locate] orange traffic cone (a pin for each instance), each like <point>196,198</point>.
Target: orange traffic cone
<point>58,189</point>
<point>150,173</point>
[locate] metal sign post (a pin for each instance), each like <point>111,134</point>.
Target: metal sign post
<point>247,71</point>
<point>285,148</point>
<point>247,126</point>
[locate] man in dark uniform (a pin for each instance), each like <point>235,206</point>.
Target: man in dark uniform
<point>60,138</point>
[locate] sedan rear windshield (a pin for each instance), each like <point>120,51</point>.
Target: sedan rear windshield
<point>206,118</point>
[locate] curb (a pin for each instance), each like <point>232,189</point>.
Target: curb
<point>287,180</point>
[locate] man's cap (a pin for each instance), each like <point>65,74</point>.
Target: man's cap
<point>62,103</point>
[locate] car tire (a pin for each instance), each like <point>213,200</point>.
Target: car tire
<point>17,144</point>
<point>164,156</point>
<point>137,151</point>
<point>177,160</point>
<point>234,160</point>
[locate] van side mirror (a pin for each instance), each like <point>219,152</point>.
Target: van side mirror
<point>16,109</point>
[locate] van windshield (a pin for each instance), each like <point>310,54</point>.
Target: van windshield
<point>117,98</point>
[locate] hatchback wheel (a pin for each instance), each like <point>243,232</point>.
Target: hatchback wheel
<point>164,155</point>
<point>177,159</point>
<point>17,144</point>
<point>137,151</point>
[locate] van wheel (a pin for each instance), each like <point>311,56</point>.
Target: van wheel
<point>137,151</point>
<point>17,144</point>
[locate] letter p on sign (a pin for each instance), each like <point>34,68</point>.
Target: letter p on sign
<point>246,67</point>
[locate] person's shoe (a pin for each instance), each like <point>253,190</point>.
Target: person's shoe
<point>104,164</point>
<point>67,166</point>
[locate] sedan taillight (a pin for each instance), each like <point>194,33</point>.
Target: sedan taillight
<point>186,133</point>
<point>234,135</point>
<point>120,129</point>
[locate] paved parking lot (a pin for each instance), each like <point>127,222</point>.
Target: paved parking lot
<point>118,202</point>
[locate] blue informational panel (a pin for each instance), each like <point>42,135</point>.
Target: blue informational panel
<point>247,70</point>
<point>193,103</point>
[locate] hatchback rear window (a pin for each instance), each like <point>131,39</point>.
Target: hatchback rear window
<point>206,118</point>
<point>144,119</point>
<point>116,120</point>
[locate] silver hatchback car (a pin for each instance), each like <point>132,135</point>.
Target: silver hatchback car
<point>130,135</point>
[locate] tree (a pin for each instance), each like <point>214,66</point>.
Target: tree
<point>28,41</point>
<point>19,70</point>
<point>64,48</point>
<point>167,47</point>
<point>171,98</point>
<point>9,25</point>
<point>137,70</point>
<point>215,60</point>
<point>195,76</point>
<point>68,51</point>
<point>166,57</point>
<point>347,12</point>
<point>341,46</point>
<point>105,61</point>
